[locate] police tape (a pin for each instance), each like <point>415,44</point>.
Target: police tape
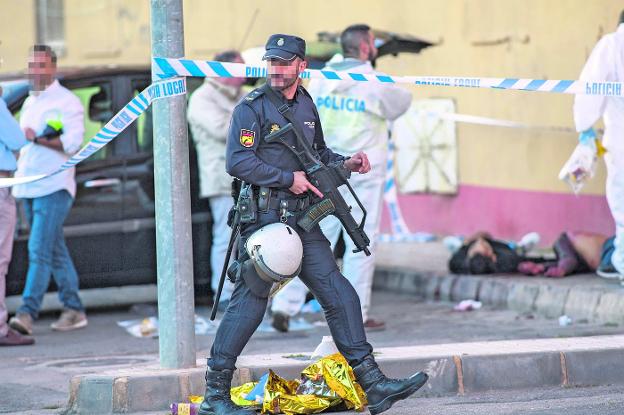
<point>128,114</point>
<point>171,67</point>
<point>398,227</point>
<point>172,72</point>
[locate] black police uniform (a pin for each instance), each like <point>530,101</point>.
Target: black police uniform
<point>271,165</point>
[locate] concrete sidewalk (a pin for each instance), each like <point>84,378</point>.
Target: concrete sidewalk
<point>421,269</point>
<point>455,368</point>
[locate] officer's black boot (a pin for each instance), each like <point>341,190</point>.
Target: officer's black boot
<point>217,397</point>
<point>382,392</point>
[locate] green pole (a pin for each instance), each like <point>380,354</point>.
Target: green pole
<point>174,248</point>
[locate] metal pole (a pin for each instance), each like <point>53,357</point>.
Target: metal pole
<point>174,249</point>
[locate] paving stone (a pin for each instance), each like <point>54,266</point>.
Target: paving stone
<point>610,308</point>
<point>595,367</point>
<point>413,283</point>
<point>551,300</point>
<point>582,303</point>
<point>156,391</point>
<point>528,370</point>
<point>493,292</point>
<point>94,395</point>
<point>432,287</point>
<point>446,287</point>
<point>466,288</point>
<point>522,297</point>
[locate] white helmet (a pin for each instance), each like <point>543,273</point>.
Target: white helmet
<point>276,251</point>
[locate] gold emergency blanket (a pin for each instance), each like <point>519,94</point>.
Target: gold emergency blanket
<point>327,383</point>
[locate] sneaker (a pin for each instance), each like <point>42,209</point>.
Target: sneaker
<point>13,338</point>
<point>280,322</point>
<point>22,323</point>
<point>70,320</point>
<point>374,325</point>
<point>609,273</point>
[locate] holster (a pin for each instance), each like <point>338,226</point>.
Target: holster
<point>247,207</point>
<point>264,196</point>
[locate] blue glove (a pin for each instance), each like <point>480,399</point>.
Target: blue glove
<point>587,137</point>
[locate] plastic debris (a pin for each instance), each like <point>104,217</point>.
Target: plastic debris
<point>148,327</point>
<point>564,321</point>
<point>184,409</point>
<point>325,348</point>
<point>468,305</point>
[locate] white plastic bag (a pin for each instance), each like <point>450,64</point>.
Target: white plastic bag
<point>581,166</point>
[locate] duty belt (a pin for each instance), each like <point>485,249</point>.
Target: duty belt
<point>274,199</point>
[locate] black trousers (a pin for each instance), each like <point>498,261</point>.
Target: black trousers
<point>320,273</point>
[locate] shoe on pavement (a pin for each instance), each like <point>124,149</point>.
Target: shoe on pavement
<point>280,322</point>
<point>217,399</point>
<point>22,323</point>
<point>70,320</point>
<point>382,392</point>
<point>374,325</point>
<point>13,338</point>
<point>609,273</point>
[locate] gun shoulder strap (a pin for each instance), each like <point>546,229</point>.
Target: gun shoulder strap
<point>284,109</point>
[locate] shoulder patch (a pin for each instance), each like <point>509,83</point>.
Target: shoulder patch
<point>247,138</point>
<point>254,94</point>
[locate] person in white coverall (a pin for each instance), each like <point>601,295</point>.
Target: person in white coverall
<point>209,111</point>
<point>355,117</point>
<point>606,63</point>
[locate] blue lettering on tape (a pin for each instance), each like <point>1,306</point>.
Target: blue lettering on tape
<point>255,72</point>
<point>603,88</point>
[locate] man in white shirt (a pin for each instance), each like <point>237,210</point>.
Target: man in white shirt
<point>209,111</point>
<point>355,117</point>
<point>52,120</point>
<point>606,63</point>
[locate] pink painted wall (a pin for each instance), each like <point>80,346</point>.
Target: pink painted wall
<point>507,214</point>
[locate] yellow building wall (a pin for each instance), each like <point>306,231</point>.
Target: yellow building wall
<point>548,39</point>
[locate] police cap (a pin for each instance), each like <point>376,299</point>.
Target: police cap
<point>284,47</point>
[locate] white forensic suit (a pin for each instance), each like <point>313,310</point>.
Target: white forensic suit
<point>606,63</point>
<point>354,116</point>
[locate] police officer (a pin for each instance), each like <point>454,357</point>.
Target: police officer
<point>283,191</point>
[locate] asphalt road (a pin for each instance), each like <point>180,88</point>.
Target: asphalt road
<point>560,401</point>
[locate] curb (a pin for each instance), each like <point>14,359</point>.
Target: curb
<point>595,301</point>
<point>455,368</point>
